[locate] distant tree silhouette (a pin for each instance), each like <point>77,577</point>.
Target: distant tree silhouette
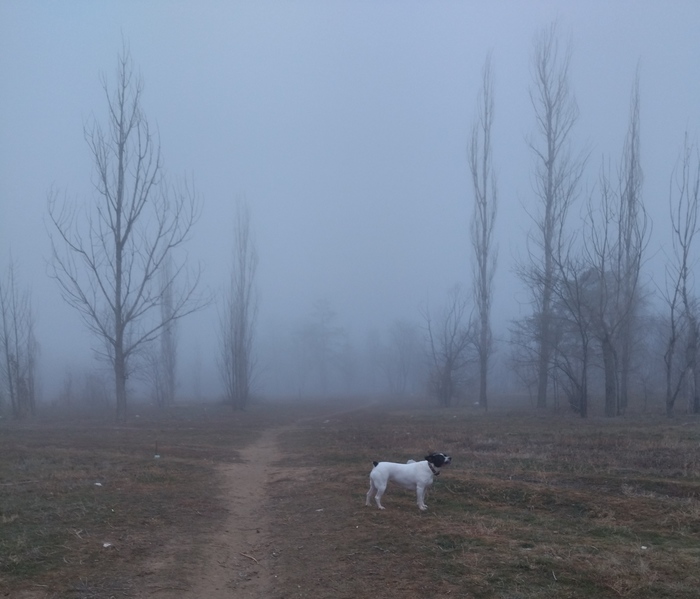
<point>556,179</point>
<point>682,367</point>
<point>18,346</point>
<point>238,318</point>
<point>483,219</point>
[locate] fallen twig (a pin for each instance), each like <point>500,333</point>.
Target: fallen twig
<point>250,557</point>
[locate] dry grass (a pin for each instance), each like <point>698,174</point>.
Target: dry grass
<point>86,510</point>
<point>532,507</point>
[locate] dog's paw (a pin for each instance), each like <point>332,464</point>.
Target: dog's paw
<point>423,507</point>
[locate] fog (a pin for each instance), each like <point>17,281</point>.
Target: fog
<point>344,126</point>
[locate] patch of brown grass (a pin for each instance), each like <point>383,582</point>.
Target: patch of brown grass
<point>532,506</point>
<point>87,510</point>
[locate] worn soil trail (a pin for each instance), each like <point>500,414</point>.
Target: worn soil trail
<point>236,561</point>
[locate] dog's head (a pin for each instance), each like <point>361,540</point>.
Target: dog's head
<point>438,459</point>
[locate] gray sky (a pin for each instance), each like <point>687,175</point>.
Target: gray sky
<point>343,124</point>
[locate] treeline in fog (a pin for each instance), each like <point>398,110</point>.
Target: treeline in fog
<point>599,331</point>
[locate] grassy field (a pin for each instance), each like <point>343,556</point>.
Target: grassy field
<point>86,510</point>
<point>533,505</point>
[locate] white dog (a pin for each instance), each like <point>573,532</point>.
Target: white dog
<point>416,476</point>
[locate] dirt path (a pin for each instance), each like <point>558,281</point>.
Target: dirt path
<point>237,559</point>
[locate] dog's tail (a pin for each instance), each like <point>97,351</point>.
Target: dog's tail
<point>375,464</point>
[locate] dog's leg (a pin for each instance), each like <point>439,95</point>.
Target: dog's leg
<point>371,492</point>
<point>378,495</point>
<point>420,495</point>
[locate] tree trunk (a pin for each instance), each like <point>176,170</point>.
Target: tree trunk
<point>670,398</point>
<point>625,361</point>
<point>692,352</point>
<point>584,385</point>
<point>609,360</point>
<point>445,391</point>
<point>483,382</point>
<point>120,380</point>
<point>543,365</point>
<point>545,329</point>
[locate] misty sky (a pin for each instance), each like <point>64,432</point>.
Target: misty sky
<point>343,124</point>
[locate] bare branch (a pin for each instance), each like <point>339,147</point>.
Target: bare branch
<point>107,257</point>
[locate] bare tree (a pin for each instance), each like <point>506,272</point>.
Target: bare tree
<point>572,293</point>
<point>401,358</point>
<point>601,253</point>
<point>616,278</point>
<point>682,321</point>
<point>633,224</point>
<point>154,373</point>
<point>18,346</point>
<point>67,394</point>
<point>321,345</point>
<point>161,355</point>
<point>523,355</point>
<point>95,391</point>
<point>106,256</point>
<point>617,235</point>
<point>195,370</point>
<point>483,218</point>
<point>375,357</point>
<point>449,342</point>
<point>239,315</point>
<point>556,179</point>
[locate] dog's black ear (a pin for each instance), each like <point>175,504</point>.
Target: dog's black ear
<point>375,463</point>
